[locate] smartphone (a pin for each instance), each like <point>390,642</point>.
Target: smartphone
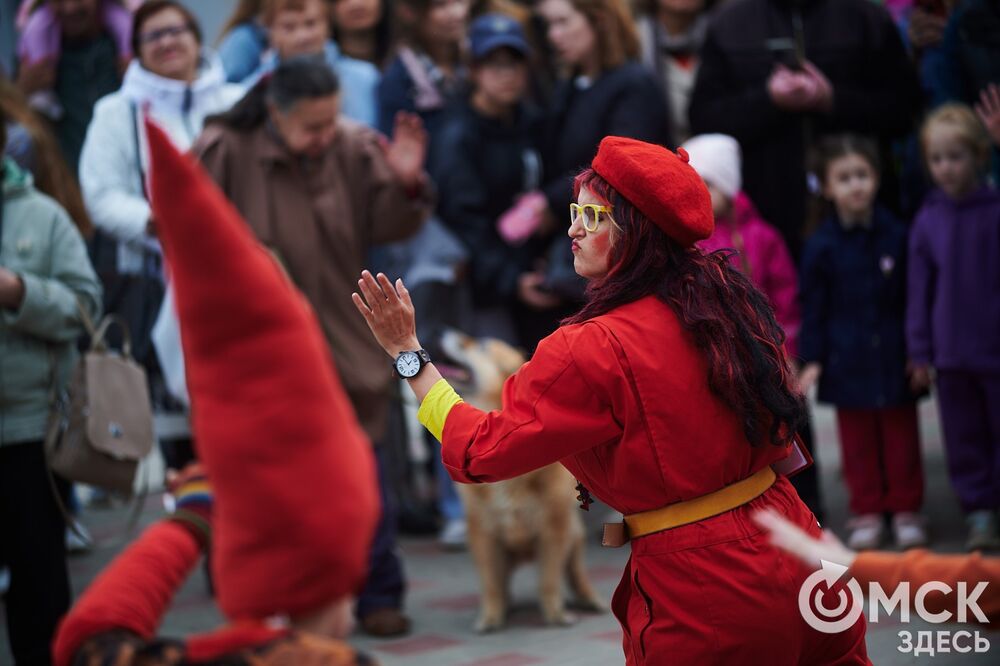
<point>783,52</point>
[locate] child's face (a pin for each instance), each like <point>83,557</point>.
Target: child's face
<point>951,161</point>
<point>721,204</point>
<point>502,76</point>
<point>851,184</point>
<point>296,33</point>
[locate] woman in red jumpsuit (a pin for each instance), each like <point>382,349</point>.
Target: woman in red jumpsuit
<point>669,386</point>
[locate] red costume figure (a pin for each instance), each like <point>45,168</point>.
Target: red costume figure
<point>669,397</point>
<point>295,494</point>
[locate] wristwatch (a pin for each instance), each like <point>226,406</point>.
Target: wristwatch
<point>409,363</point>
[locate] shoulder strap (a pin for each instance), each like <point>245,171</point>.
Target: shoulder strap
<point>426,93</point>
<point>138,149</point>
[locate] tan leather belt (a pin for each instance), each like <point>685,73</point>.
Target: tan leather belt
<point>690,511</point>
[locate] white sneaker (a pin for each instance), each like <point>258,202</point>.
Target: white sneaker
<point>983,533</point>
<point>866,532</point>
<point>78,543</point>
<point>452,536</point>
<point>908,530</point>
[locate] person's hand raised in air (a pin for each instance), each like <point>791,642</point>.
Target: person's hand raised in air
<point>407,150</point>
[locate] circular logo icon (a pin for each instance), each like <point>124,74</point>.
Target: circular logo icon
<point>814,596</point>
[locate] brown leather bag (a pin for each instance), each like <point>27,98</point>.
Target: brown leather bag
<point>102,426</point>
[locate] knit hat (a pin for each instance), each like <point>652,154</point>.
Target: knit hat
<point>293,474</point>
<point>717,159</point>
<point>659,183</point>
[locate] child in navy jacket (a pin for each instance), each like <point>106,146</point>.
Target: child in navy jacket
<point>852,341</point>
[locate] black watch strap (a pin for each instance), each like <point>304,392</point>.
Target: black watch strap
<point>422,354</point>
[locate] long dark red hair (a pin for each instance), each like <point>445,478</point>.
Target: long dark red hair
<point>730,320</point>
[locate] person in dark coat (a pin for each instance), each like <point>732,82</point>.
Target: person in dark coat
<point>971,53</point>
<point>852,341</point>
<point>776,74</point>
<point>489,159</point>
<point>607,92</point>
<point>971,49</point>
<point>427,76</point>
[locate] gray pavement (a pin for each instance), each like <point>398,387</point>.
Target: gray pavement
<point>443,595</point>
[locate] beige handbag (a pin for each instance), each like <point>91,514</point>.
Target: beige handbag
<point>102,425</point>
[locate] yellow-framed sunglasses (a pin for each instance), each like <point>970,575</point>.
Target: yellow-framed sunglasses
<point>589,215</point>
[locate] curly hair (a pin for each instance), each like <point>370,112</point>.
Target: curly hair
<point>730,320</point>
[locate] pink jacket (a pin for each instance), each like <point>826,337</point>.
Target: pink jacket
<point>763,255</point>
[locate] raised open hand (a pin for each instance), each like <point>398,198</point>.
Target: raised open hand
<point>988,110</point>
<point>388,310</point>
<point>407,150</point>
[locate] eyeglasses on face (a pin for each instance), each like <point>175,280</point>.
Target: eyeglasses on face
<point>589,216</point>
<point>154,36</point>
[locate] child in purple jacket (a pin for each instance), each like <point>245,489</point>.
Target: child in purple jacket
<point>953,310</point>
<point>41,39</point>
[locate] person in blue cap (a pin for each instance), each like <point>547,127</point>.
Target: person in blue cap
<point>487,169</point>
<point>490,170</point>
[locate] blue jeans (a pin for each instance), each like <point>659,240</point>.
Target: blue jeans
<point>386,584</point>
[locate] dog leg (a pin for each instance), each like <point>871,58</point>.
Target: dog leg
<point>552,555</point>
<point>585,597</point>
<point>492,566</point>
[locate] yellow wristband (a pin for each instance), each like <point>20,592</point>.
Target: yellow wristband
<point>436,406</point>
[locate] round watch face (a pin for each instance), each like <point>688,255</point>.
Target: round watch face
<point>408,365</point>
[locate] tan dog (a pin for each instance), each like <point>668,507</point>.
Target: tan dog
<point>532,517</point>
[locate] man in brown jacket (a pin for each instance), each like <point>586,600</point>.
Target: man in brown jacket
<point>320,190</point>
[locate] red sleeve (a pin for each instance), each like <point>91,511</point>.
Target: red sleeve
<point>133,592</point>
<point>920,566</point>
<point>560,403</point>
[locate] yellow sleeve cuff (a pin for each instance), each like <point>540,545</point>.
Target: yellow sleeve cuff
<point>435,408</point>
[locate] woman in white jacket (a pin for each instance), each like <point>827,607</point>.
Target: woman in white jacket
<point>178,83</point>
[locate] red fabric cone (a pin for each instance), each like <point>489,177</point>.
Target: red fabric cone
<point>659,183</point>
<point>293,474</point>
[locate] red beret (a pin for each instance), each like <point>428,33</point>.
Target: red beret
<point>660,184</point>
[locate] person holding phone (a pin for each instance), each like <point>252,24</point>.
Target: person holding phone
<point>799,70</point>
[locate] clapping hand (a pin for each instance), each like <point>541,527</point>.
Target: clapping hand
<point>988,110</point>
<point>407,150</point>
